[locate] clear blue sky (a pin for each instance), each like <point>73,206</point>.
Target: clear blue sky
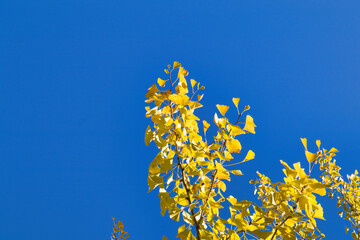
<point>73,78</point>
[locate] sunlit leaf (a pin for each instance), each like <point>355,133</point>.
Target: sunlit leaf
<point>206,125</point>
<point>247,107</point>
<point>193,82</point>
<point>236,102</point>
<point>236,172</point>
<point>161,82</point>
<point>249,124</point>
<point>222,109</point>
<point>249,156</point>
<point>234,146</point>
<point>310,156</point>
<point>149,136</point>
<point>304,142</point>
<point>176,65</point>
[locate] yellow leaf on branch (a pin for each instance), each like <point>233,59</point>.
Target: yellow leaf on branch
<point>222,109</point>
<point>249,124</point>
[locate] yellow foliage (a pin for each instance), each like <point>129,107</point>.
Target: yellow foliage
<point>189,173</point>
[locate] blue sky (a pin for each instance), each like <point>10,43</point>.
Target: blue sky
<point>73,78</point>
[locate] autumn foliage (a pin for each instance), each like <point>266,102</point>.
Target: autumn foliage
<point>191,170</point>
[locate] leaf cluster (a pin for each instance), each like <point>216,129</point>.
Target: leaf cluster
<point>191,173</point>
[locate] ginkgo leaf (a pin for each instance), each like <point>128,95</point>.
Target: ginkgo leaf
<point>161,82</point>
<point>233,146</point>
<point>300,171</point>
<point>319,213</point>
<point>176,65</point>
<point>318,143</point>
<point>236,172</point>
<point>249,156</point>
<point>153,167</point>
<point>206,125</point>
<point>247,107</point>
<point>179,99</point>
<point>232,200</point>
<point>149,136</point>
<point>310,156</point>
<point>319,188</point>
<point>183,72</point>
<point>222,109</point>
<point>263,235</point>
<point>193,82</point>
<point>304,142</point>
<point>182,232</point>
<point>288,170</point>
<point>333,150</point>
<point>249,124</point>
<point>164,238</point>
<point>154,181</point>
<point>234,130</point>
<point>219,226</point>
<point>236,101</point>
<point>120,225</point>
<point>151,91</point>
<point>222,186</point>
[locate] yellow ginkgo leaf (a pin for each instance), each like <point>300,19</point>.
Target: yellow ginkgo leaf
<point>234,129</point>
<point>310,156</point>
<point>161,82</point>
<point>176,65</point>
<point>233,146</point>
<point>319,213</point>
<point>333,150</point>
<point>249,124</point>
<point>236,101</point>
<point>193,82</point>
<point>222,186</point>
<point>236,172</point>
<point>249,156</point>
<point>304,142</point>
<point>300,171</point>
<point>206,125</point>
<point>222,109</point>
<point>247,107</point>
<point>232,200</point>
<point>149,136</point>
<point>318,143</point>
